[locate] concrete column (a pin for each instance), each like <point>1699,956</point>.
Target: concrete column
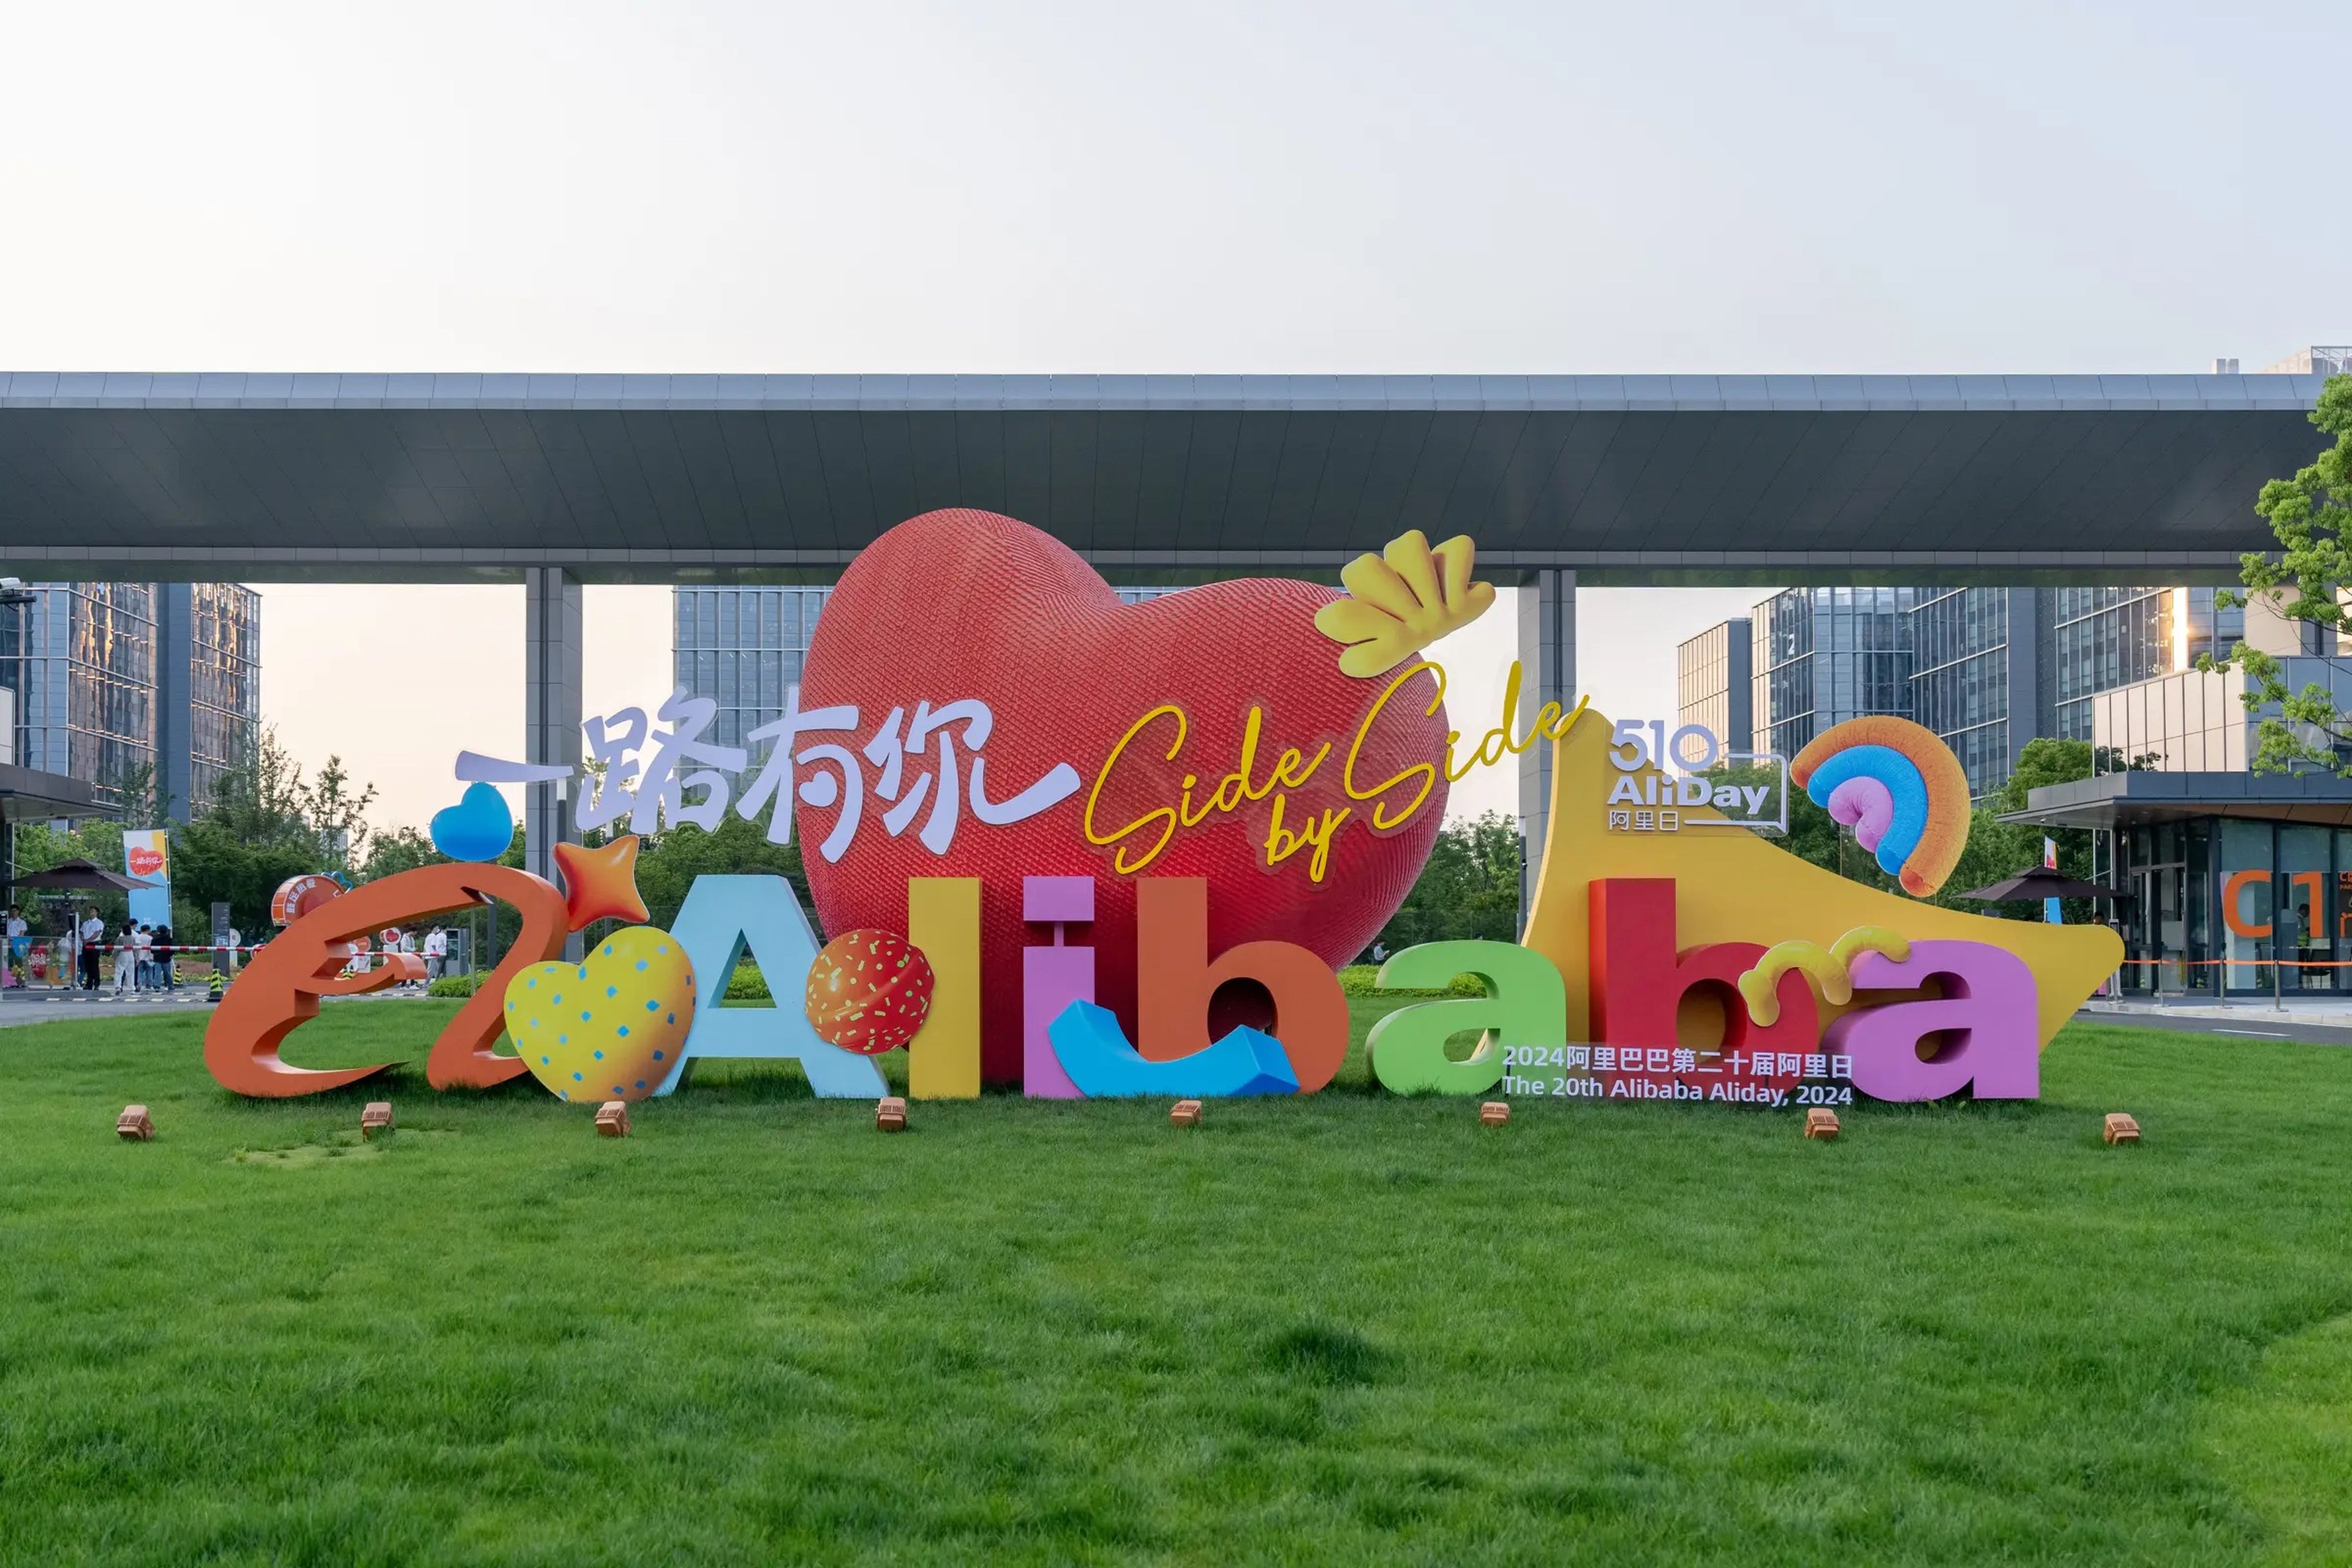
<point>1739,682</point>
<point>176,728</point>
<point>1546,605</point>
<point>552,659</point>
<point>2028,718</point>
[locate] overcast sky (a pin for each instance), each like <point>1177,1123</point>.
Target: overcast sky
<point>1355,187</point>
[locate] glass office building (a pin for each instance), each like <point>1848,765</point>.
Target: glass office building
<point>1714,684</point>
<point>1821,655</point>
<point>1976,680</point>
<point>117,681</point>
<point>743,648</point>
<point>2235,880</point>
<point>1986,669</point>
<point>223,681</point>
<point>87,688</point>
<point>2104,639</point>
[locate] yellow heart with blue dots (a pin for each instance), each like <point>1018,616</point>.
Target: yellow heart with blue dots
<point>609,1027</point>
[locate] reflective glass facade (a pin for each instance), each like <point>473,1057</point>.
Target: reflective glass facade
<point>2103,638</point>
<point>91,686</point>
<point>1987,668</point>
<point>2106,637</point>
<point>89,681</point>
<point>2203,628</point>
<point>224,683</point>
<point>12,670</point>
<point>743,646</point>
<point>2196,721</point>
<point>1960,684</point>
<point>1713,685</point>
<point>1822,656</point>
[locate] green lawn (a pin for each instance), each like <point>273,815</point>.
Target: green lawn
<point>1346,1329</point>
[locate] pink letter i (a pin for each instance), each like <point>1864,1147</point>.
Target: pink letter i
<point>1051,978</point>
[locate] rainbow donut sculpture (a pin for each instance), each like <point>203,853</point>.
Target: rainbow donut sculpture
<point>1899,788</point>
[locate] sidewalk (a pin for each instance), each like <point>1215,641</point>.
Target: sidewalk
<point>2327,1011</point>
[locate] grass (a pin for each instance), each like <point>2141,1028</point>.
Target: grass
<point>1349,1328</point>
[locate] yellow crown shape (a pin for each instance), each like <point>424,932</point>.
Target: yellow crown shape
<point>1402,601</point>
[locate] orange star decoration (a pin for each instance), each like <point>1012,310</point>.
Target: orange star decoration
<point>601,883</point>
<point>1400,600</point>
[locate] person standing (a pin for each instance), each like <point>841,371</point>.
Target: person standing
<point>436,953</point>
<point>18,944</point>
<point>93,935</point>
<point>126,960</point>
<point>166,949</point>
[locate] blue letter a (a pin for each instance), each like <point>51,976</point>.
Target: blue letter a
<point>721,917</point>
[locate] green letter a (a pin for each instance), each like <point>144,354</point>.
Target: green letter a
<point>1526,1004</point>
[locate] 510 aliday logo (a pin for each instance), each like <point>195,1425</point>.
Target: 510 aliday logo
<point>1088,848</point>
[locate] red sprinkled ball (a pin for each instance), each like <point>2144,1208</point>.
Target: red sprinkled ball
<point>869,991</point>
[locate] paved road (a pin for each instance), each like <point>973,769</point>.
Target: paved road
<point>38,1005</point>
<point>2252,1023</point>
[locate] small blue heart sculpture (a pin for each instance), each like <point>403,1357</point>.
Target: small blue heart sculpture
<point>479,828</point>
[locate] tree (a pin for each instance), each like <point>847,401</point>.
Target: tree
<point>266,822</point>
<point>143,800</point>
<point>401,849</point>
<point>336,811</point>
<point>1998,850</point>
<point>1467,890</point>
<point>2045,760</point>
<point>1814,834</point>
<point>670,862</point>
<point>212,864</point>
<point>262,796</point>
<point>2310,581</point>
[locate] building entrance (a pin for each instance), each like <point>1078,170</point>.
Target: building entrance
<point>2218,903</point>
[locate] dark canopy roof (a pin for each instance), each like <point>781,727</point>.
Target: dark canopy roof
<point>670,478</point>
<point>2036,883</point>
<point>2122,800</point>
<point>28,793</point>
<point>78,874</point>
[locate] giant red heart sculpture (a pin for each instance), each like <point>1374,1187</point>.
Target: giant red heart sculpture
<point>956,605</point>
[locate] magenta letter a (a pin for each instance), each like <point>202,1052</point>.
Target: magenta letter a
<point>1987,1016</point>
